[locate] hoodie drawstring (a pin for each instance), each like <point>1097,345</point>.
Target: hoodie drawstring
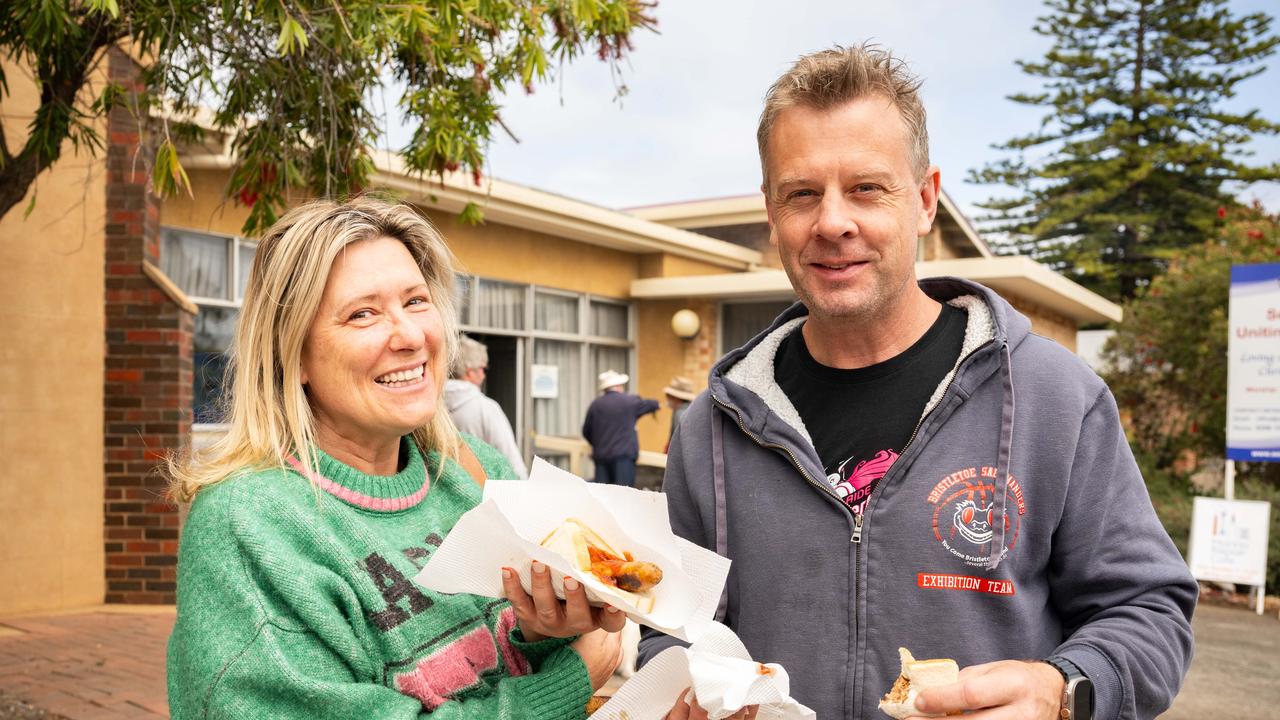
<point>722,521</point>
<point>1000,514</point>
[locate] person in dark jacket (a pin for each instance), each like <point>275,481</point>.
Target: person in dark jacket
<point>903,463</point>
<point>610,427</point>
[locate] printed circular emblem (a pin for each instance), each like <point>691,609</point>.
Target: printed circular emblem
<point>965,518</point>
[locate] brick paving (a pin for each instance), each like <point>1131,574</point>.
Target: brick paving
<point>103,663</point>
<point>107,663</point>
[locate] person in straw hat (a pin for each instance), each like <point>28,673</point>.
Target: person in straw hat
<point>610,427</point>
<point>679,394</point>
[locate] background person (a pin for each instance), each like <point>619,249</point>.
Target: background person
<point>610,427</point>
<point>472,411</point>
<point>336,480</point>
<point>903,463</point>
<point>679,393</point>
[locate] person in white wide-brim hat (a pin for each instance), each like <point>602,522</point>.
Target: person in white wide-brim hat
<point>610,427</point>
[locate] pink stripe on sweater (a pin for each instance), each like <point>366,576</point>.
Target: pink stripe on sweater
<point>458,666</point>
<point>365,501</point>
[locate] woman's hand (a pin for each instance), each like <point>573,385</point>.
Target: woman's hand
<point>541,615</point>
<point>601,651</point>
<point>694,711</point>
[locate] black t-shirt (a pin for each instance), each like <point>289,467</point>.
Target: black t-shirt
<point>861,419</point>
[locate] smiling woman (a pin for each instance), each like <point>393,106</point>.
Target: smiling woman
<point>337,478</point>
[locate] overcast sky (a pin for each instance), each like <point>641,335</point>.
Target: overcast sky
<point>686,129</point>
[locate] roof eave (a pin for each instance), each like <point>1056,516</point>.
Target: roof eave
<point>1014,275</point>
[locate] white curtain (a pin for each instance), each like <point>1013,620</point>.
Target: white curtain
<point>609,320</point>
<point>247,251</point>
<point>500,305</point>
<point>561,415</point>
<point>198,263</point>
<point>462,297</point>
<point>604,358</point>
<point>555,313</point>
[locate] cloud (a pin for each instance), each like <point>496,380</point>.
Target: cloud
<point>686,129</point>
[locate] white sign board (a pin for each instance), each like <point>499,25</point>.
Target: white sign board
<point>545,382</point>
<point>1253,365</point>
<point>1229,540</point>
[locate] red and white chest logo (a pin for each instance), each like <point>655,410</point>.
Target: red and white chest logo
<point>964,515</point>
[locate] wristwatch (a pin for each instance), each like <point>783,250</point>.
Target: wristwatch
<point>1077,693</point>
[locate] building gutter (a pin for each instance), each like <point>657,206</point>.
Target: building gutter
<point>1012,275</point>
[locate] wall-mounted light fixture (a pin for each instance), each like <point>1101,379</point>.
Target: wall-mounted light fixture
<point>686,324</point>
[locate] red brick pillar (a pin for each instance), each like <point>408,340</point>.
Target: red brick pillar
<point>148,387</point>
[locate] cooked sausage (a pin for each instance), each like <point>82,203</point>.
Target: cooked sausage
<point>630,575</point>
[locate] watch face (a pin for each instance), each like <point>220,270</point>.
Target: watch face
<point>1081,699</point>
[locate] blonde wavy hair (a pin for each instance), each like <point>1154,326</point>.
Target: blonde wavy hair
<point>265,406</point>
<point>827,79</point>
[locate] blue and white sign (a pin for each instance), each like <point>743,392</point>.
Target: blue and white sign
<point>545,381</point>
<point>1253,368</point>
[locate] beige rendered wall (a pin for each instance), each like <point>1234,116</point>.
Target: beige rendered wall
<point>654,265</point>
<point>495,251</point>
<point>206,209</point>
<point>662,356</point>
<point>503,252</point>
<point>1046,322</point>
<point>51,377</point>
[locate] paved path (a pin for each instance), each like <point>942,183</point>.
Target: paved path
<point>108,663</point>
<point>1235,669</point>
<point>102,664</point>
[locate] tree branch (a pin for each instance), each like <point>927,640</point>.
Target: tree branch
<point>59,88</point>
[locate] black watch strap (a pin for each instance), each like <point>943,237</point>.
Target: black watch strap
<point>1077,690</point>
<point>1064,666</point>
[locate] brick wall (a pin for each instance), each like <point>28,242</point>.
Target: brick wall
<point>700,352</point>
<point>148,386</point>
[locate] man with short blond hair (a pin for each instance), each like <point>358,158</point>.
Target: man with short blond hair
<point>902,463</point>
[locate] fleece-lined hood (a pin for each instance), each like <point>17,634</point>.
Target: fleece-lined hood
<point>1013,525</point>
<point>992,322</point>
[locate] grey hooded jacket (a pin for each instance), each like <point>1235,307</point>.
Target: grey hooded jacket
<point>955,557</point>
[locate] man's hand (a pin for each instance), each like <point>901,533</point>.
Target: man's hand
<point>1004,690</point>
<point>541,615</point>
<point>693,711</point>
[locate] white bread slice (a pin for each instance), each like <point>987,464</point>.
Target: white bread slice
<point>920,675</point>
<point>568,540</point>
<point>571,539</point>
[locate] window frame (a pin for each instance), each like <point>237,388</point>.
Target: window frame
<point>234,244</point>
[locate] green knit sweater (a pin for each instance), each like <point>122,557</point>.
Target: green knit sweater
<point>298,603</point>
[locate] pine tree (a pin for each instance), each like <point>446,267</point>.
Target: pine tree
<point>1137,155</point>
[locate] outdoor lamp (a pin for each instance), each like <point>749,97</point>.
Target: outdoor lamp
<point>686,324</point>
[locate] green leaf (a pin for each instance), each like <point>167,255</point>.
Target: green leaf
<point>168,175</point>
<point>291,35</point>
<point>111,7</point>
<point>471,215</point>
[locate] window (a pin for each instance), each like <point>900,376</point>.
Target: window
<point>579,335</point>
<point>213,270</point>
<point>609,320</point>
<point>499,305</point>
<point>742,321</point>
<point>214,328</point>
<point>561,415</point>
<point>555,313</point>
